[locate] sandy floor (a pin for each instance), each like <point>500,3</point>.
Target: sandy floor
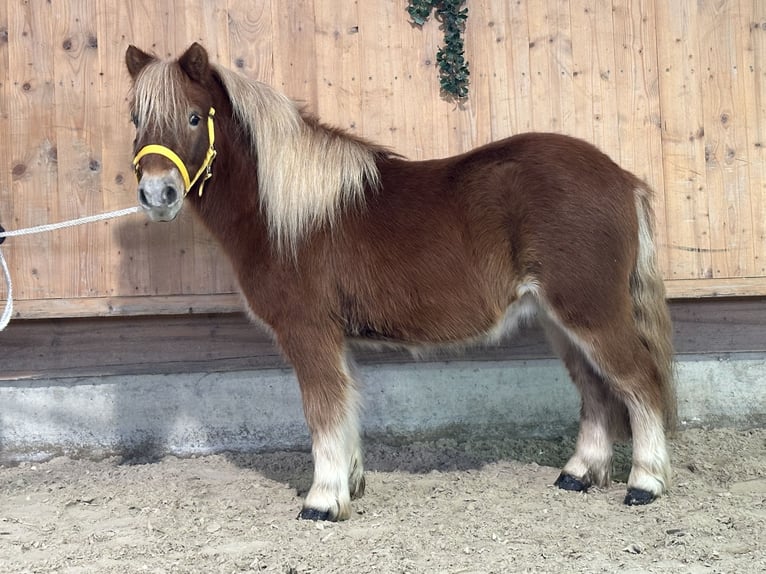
<point>447,506</point>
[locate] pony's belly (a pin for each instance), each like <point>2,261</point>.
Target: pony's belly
<point>521,311</point>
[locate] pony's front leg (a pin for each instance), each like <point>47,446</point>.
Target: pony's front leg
<point>330,404</point>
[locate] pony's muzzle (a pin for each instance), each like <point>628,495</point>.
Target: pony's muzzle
<point>161,196</point>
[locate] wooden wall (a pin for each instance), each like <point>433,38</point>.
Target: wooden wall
<point>674,91</point>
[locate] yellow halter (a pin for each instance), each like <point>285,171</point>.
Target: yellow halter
<point>206,167</point>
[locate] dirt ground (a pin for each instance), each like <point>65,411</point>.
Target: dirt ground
<point>468,505</point>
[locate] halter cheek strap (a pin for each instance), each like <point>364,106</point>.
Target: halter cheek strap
<point>207,165</point>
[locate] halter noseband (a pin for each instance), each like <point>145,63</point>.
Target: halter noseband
<point>206,167</point>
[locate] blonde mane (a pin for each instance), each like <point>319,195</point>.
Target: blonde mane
<point>158,99</point>
<point>307,173</point>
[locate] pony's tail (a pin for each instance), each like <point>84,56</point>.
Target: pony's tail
<point>650,309</point>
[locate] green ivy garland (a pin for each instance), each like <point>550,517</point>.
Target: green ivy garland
<point>453,69</point>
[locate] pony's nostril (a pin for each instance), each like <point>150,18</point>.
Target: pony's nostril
<point>142,199</point>
<point>169,195</point>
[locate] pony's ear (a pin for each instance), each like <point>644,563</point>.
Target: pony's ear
<point>136,59</point>
<point>195,63</point>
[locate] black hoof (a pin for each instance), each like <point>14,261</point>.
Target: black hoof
<point>569,482</point>
<point>314,514</point>
<point>638,497</point>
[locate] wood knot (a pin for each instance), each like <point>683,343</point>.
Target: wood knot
<point>19,170</point>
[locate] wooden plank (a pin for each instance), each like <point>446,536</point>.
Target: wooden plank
<point>640,125</point>
<point>117,180</point>
<point>210,343</point>
<point>31,147</point>
<point>338,65</point>
<point>491,86</point>
<point>424,121</point>
<point>115,23</point>
<point>551,66</point>
<point>719,326</point>
<point>585,71</point>
<point>294,36</point>
<point>127,306</point>
<point>727,287</point>
<point>203,22</point>
<point>688,219</point>
<point>76,255</point>
<point>379,101</point>
<point>725,141</point>
<point>606,78</point>
<point>560,88</point>
<point>752,70</point>
<point>251,33</point>
<point>541,108</point>
<point>520,46</point>
<point>595,75</point>
<point>6,197</point>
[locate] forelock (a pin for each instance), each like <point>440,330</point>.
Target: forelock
<point>159,97</point>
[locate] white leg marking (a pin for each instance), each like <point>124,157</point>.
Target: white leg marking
<point>651,463</point>
<point>592,460</point>
<point>338,467</point>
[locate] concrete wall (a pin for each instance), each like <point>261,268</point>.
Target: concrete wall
<point>192,413</point>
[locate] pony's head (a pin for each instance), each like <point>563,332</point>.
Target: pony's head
<point>172,109</point>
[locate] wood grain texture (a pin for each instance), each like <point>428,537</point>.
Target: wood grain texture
<point>674,91</point>
<point>752,70</point>
<point>689,245</point>
<point>722,82</point>
<point>79,269</point>
<point>638,112</point>
<point>6,197</point>
<point>31,147</point>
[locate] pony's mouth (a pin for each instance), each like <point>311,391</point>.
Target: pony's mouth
<point>162,214</point>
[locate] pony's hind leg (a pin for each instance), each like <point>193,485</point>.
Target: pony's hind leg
<point>603,417</point>
<point>330,405</point>
<point>629,377</point>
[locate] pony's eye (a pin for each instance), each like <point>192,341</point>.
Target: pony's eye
<point>194,119</point>
<point>134,119</point>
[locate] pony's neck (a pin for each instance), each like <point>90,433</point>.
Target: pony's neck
<point>230,205</point>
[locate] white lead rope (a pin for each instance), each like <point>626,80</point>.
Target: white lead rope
<point>8,311</point>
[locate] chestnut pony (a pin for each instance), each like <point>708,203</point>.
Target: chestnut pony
<point>335,240</point>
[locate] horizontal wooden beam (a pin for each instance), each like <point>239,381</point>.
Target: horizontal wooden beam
<point>35,349</point>
<point>712,288</point>
<point>127,306</point>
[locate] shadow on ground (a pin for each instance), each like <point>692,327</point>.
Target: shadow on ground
<point>445,453</point>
